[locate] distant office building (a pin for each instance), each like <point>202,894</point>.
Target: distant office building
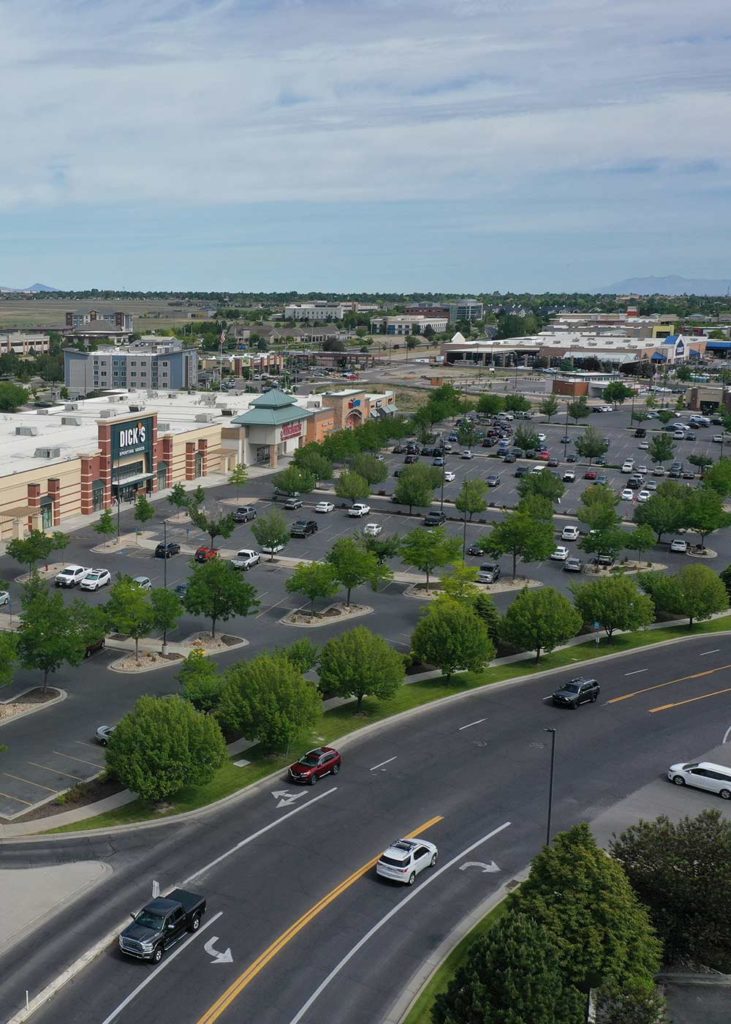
<point>83,318</point>
<point>23,343</point>
<point>462,309</point>
<point>414,324</point>
<point>314,311</point>
<point>160,365</point>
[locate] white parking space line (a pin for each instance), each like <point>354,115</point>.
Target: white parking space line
<point>150,977</point>
<point>81,760</point>
<point>57,771</point>
<point>29,782</point>
<point>704,653</point>
<point>387,917</point>
<point>271,607</point>
<point>636,672</point>
<point>383,763</point>
<point>16,799</point>
<point>727,734</point>
<point>470,724</point>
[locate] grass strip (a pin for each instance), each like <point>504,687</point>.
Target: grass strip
<point>342,721</point>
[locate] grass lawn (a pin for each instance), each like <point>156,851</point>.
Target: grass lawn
<point>420,1012</point>
<point>341,721</point>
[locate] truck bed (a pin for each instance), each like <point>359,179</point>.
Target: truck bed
<point>189,901</point>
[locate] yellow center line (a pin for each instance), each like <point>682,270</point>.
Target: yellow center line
<point>255,968</point>
<point>690,700</point>
<point>670,682</point>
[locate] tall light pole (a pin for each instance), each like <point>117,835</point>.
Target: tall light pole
<point>444,473</point>
<point>165,553</point>
<point>550,785</point>
<point>566,432</point>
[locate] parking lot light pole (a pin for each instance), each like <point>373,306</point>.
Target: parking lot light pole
<point>550,785</point>
<point>165,553</point>
<point>444,471</point>
<point>566,432</point>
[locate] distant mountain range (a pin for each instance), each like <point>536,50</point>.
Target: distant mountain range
<point>672,285</point>
<point>33,288</point>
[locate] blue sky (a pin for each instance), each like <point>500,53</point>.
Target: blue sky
<point>462,145</point>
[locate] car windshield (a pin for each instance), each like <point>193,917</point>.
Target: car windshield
<point>571,687</point>
<point>148,920</point>
<point>310,759</point>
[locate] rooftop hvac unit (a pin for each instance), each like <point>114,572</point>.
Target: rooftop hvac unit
<point>203,417</point>
<point>227,412</point>
<point>41,412</point>
<point>70,406</point>
<point>26,431</point>
<point>105,414</point>
<point>71,421</point>
<point>162,428</point>
<point>47,453</point>
<point>136,408</point>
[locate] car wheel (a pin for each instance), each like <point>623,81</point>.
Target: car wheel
<point>313,779</point>
<point>335,769</point>
<point>678,780</point>
<point>103,743</point>
<point>412,878</point>
<point>594,698</point>
<point>433,859</point>
<point>158,954</point>
<point>195,923</point>
<point>574,705</point>
<point>725,794</point>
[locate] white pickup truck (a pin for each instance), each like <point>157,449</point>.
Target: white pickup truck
<point>245,559</point>
<point>359,509</point>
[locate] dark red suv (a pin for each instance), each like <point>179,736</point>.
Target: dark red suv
<point>314,764</point>
<point>205,554</point>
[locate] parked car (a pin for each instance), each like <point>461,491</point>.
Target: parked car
<point>167,550</point>
<point>161,924</point>
<point>291,504</point>
<point>627,494</point>
<point>571,458</point>
<point>405,859</point>
<point>566,439</point>
<point>143,582</point>
<point>569,476</point>
<point>509,457</point>
<point>303,528</point>
<point>314,764</point>
<point>489,572</point>
<point>603,559</point>
<point>522,471</point>
<point>70,576</point>
<point>628,466</point>
<point>181,589</point>
<point>643,495</point>
<point>717,438</point>
<point>205,553</point>
<point>245,513</point>
<point>246,559</point>
<point>449,476</point>
<point>103,734</point>
<point>434,519</point>
<point>560,554</point>
<point>679,546</point>
<point>573,565</point>
<point>493,480</point>
<point>4,597</point>
<point>271,549</point>
<point>95,579</point>
<point>590,474</point>
<point>324,506</point>
<point>359,509</point>
<point>644,446</point>
<point>553,462</point>
<point>714,778</point>
<point>466,454</point>
<point>411,458</point>
<point>576,691</point>
<point>602,480</point>
<point>650,485</point>
<point>570,533</point>
<point>475,549</point>
<point>438,461</point>
<point>372,529</point>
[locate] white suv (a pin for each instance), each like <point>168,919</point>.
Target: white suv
<point>405,859</point>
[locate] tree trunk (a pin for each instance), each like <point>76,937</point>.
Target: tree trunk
<point>538,654</point>
<point>137,650</point>
<point>347,597</point>
<point>428,578</point>
<point>214,619</point>
<point>515,563</point>
<point>45,679</point>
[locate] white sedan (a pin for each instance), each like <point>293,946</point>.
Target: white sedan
<point>372,529</point>
<point>644,495</point>
<point>4,597</point>
<point>680,547</point>
<point>466,454</point>
<point>627,494</point>
<point>644,445</point>
<point>449,476</point>
<point>324,506</point>
<point>95,579</point>
<point>560,554</point>
<point>405,859</point>
<point>570,533</point>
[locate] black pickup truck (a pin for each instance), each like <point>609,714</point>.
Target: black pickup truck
<point>161,923</point>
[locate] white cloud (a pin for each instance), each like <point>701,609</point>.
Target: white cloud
<point>215,101</point>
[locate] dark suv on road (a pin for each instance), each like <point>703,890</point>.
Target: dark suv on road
<point>303,528</point>
<point>244,513</point>
<point>434,519</point>
<point>576,691</point>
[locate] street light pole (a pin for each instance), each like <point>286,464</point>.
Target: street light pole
<point>550,785</point>
<point>444,472</point>
<point>566,432</point>
<point>165,553</point>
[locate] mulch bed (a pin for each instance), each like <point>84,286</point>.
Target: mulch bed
<point>16,705</point>
<point>81,795</point>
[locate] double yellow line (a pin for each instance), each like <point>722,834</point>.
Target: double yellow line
<point>669,682</point>
<point>237,987</point>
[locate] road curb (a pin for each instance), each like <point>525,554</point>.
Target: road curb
<point>62,695</point>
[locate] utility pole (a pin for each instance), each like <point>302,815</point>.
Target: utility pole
<point>550,785</point>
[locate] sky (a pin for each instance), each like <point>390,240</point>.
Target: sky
<point>377,145</point>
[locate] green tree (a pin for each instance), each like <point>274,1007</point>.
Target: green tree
<point>178,496</point>
<point>36,547</point>
<point>602,930</point>
<point>726,577</point>
<point>661,448</point>
<point>517,403</point>
<point>718,477</point>
<point>383,547</point>
<point>490,405</point>
<point>609,541</point>
<point>701,461</point>
<point>513,973</point>
<point>48,635</point>
<point>665,416</point>
<point>106,524</point>
<point>270,531</point>
<point>415,485</point>
<point>642,538</point>
<point>303,654</point>
<point>616,392</point>
<point>549,407</point>
<point>590,444</point>
<point>542,485</point>
<point>578,410</point>
<point>681,871</point>
<point>358,664</point>
<point>452,636</point>
<point>144,510</point>
<point>218,592</point>
<point>460,583</point>
<point>200,681</point>
<point>520,535</point>
<point>665,510</point>
<point>312,459</point>
<point>269,700</point>
<point>704,512</point>
<point>196,497</point>
<point>166,611</point>
<point>91,622</point>
<point>485,607</point>
<point>314,580</point>
<point>164,744</point>
<point>615,602</point>
<point>295,480</point>
<point>539,620</point>
<point>12,396</point>
<point>355,565</point>
<point>598,508</point>
<point>214,525</point>
<point>352,486</point>
<point>239,476</point>
<point>427,549</point>
<point>696,592</point>
<point>472,497</point>
<point>526,437</point>
<point>369,468</point>
<point>129,611</point>
<point>8,655</point>
<point>635,1004</point>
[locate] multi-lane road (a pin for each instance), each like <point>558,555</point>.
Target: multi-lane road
<point>313,934</point>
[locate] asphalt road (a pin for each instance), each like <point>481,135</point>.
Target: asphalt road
<point>479,765</point>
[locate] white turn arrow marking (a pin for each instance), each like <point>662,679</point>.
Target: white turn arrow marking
<point>284,798</point>
<point>218,958</point>
<point>491,867</point>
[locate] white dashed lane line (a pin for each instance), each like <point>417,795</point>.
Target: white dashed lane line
<point>383,763</point>
<point>704,653</point>
<point>636,672</point>
<point>470,724</point>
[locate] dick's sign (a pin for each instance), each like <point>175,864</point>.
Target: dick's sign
<point>132,437</point>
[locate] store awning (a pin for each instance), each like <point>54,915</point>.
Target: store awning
<point>124,481</point>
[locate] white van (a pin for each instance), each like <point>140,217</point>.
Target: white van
<point>715,778</point>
